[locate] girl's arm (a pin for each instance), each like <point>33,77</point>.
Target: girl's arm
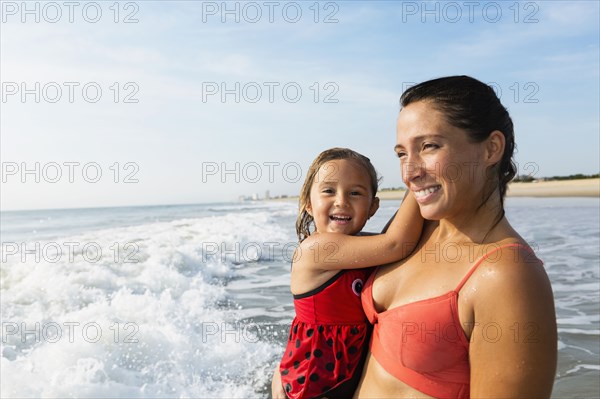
<point>387,226</point>
<point>332,251</point>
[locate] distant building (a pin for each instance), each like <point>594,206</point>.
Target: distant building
<point>267,196</point>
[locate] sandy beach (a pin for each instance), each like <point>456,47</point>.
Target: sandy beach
<point>554,188</point>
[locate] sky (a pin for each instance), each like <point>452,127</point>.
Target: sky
<point>168,102</point>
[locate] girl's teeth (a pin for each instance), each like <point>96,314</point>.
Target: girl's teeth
<point>341,218</point>
<point>424,192</point>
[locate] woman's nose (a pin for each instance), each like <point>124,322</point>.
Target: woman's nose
<point>412,168</point>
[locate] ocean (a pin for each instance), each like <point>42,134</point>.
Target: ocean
<point>193,301</point>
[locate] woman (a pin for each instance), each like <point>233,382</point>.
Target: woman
<point>470,313</point>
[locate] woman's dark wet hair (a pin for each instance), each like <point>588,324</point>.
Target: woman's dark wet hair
<point>473,106</point>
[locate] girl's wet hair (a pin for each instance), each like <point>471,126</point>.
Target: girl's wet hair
<point>474,107</point>
<point>304,220</point>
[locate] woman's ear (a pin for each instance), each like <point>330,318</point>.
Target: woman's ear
<point>309,208</point>
<point>374,206</point>
<point>494,147</point>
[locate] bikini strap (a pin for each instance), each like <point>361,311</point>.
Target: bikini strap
<point>484,257</point>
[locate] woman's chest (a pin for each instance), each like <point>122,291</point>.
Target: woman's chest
<point>433,270</point>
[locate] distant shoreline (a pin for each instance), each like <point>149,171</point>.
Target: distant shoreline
<point>551,188</point>
<point>556,188</point>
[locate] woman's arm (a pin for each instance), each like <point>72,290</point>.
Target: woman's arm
<point>514,341</point>
<point>332,251</point>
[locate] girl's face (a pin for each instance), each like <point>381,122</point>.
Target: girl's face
<point>440,165</point>
<point>341,200</point>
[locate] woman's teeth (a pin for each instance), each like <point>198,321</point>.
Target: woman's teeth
<point>426,191</point>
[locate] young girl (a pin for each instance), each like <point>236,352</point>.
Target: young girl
<point>325,349</point>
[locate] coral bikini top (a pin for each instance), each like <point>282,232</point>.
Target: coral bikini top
<point>422,343</point>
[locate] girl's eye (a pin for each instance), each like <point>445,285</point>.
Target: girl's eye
<point>400,154</point>
<point>327,191</point>
<point>355,193</point>
<point>430,146</point>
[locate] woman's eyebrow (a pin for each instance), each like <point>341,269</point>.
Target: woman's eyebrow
<point>422,137</point>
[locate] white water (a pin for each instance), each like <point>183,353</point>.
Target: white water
<point>204,311</point>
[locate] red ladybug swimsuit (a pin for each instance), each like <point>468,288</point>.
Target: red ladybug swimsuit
<point>328,339</point>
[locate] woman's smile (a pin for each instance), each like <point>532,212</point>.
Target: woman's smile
<point>427,194</point>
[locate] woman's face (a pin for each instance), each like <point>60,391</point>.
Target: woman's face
<point>444,170</point>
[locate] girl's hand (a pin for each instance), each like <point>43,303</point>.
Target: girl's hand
<point>276,388</point>
<point>334,251</point>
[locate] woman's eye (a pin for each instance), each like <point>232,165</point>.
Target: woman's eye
<point>430,146</point>
<point>400,154</point>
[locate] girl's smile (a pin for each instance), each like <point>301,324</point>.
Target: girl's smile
<point>341,200</point>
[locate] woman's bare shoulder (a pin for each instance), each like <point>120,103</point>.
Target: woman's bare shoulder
<point>512,271</point>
